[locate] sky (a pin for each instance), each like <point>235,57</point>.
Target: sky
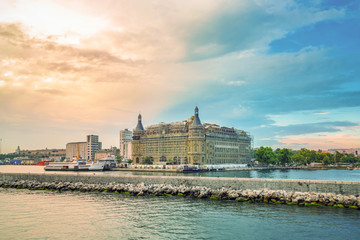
<point>285,71</point>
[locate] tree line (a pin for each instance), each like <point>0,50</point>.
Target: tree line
<point>266,156</point>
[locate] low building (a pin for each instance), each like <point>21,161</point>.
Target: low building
<point>41,152</point>
<point>355,151</point>
<point>85,150</point>
<point>103,154</point>
<point>314,164</point>
<point>76,150</point>
<point>190,142</point>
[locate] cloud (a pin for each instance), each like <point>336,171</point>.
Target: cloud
<point>320,113</point>
<point>238,26</point>
<point>50,91</point>
<point>336,140</point>
<point>309,128</point>
<point>163,58</point>
<point>236,83</point>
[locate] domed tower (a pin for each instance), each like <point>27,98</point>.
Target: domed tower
<point>196,141</point>
<point>136,143</point>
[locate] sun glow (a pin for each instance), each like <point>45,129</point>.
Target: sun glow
<point>45,18</point>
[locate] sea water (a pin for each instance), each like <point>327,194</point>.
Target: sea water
<point>305,174</point>
<point>39,214</point>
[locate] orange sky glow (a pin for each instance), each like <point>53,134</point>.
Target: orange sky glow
<point>73,68</point>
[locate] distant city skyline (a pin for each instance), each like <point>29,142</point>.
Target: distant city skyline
<point>287,72</point>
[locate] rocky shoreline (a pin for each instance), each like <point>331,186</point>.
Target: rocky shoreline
<point>263,195</point>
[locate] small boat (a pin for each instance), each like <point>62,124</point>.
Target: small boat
<point>97,166</point>
<point>350,169</point>
<point>78,165</point>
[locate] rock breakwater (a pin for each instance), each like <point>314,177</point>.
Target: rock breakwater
<point>262,195</point>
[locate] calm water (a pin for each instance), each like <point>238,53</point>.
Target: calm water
<point>26,214</point>
<point>336,175</point>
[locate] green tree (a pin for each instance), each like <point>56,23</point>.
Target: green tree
<point>148,161</point>
<point>312,156</point>
<point>326,160</point>
<point>265,155</point>
<point>118,159</point>
<point>298,158</point>
<point>338,156</point>
<point>284,156</point>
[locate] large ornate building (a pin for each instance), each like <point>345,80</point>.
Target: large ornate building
<point>190,142</point>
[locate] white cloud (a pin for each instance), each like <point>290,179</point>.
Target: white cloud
<point>236,83</point>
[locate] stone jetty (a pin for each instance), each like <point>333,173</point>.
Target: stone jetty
<point>183,189</point>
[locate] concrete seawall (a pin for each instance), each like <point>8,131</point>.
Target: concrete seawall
<point>334,187</point>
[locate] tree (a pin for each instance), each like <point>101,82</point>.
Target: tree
<point>265,155</point>
<point>338,156</point>
<point>148,160</point>
<point>118,159</point>
<point>298,158</point>
<point>284,156</point>
<point>313,156</point>
<point>326,160</point>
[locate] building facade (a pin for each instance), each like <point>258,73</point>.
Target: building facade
<point>76,150</point>
<point>93,145</point>
<point>41,152</point>
<point>126,144</point>
<point>190,142</point>
<point>355,151</point>
<point>85,150</point>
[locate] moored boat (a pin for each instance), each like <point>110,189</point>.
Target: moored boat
<point>109,163</point>
<point>97,166</point>
<point>78,165</point>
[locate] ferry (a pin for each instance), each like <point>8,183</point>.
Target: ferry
<point>109,162</point>
<point>78,165</point>
<point>97,166</point>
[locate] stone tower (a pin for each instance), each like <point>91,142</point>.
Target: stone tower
<point>136,148</point>
<point>196,141</point>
